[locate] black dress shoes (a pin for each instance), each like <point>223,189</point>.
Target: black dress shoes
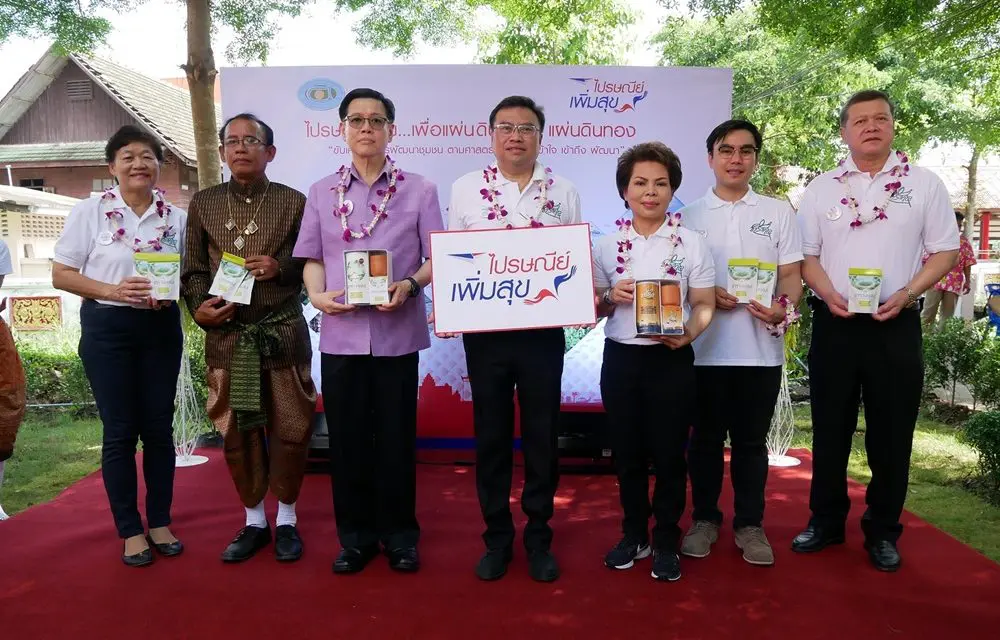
<point>404,559</point>
<point>141,559</point>
<point>883,555</point>
<point>287,543</point>
<point>493,564</point>
<point>354,559</point>
<point>167,549</point>
<point>542,566</point>
<point>247,542</point>
<point>816,538</point>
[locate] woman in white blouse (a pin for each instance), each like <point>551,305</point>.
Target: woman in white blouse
<point>647,383</point>
<point>130,344</point>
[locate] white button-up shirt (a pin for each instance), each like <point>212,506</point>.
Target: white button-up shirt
<point>754,226</point>
<point>6,266</point>
<point>650,259</point>
<point>469,209</point>
<point>85,244</point>
<point>919,218</point>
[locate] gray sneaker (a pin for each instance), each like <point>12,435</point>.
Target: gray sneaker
<point>700,538</point>
<point>756,548</point>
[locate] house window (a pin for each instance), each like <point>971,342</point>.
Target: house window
<point>189,178</point>
<point>33,183</point>
<point>79,90</point>
<point>29,251</point>
<point>100,184</point>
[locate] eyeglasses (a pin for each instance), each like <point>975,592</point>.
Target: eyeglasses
<point>506,129</point>
<point>726,151</point>
<point>247,141</point>
<point>356,122</point>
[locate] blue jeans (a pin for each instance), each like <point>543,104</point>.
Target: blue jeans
<point>132,358</point>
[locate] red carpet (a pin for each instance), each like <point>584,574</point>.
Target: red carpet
<point>60,576</point>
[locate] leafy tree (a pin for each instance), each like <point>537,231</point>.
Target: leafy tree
<point>530,31</point>
<point>79,26</point>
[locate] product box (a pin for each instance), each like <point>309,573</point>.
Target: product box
<point>767,279</point>
<point>368,274</point>
<point>163,270</point>
<point>864,288</point>
<point>743,278</point>
<point>659,308</point>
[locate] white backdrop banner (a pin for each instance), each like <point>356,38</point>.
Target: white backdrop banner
<point>592,114</point>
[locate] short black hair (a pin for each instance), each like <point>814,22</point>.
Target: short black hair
<point>727,127</point>
<point>959,214</point>
<point>268,131</point>
<point>866,96</point>
<point>648,152</point>
<point>371,94</point>
<point>524,102</point>
<point>126,136</point>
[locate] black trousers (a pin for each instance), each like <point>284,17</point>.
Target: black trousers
<point>851,358</point>
<point>532,362</point>
<point>737,402</point>
<point>132,358</point>
<point>649,394</point>
<point>371,413</point>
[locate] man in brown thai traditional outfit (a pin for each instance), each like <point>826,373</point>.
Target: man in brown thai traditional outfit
<point>12,385</point>
<point>260,391</point>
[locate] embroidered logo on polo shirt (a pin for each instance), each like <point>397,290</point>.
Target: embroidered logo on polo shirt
<point>902,195</point>
<point>762,228</point>
<point>675,261</point>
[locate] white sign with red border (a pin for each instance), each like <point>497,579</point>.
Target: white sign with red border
<point>503,279</point>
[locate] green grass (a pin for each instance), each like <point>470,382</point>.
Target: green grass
<point>52,452</point>
<point>939,467</point>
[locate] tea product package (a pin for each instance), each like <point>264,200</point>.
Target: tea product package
<point>647,307</point>
<point>163,270</point>
<point>743,278</point>
<point>233,283</point>
<point>767,279</point>
<point>865,286</point>
<point>659,308</point>
<point>368,275</point>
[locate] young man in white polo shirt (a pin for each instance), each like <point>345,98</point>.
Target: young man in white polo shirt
<point>875,211</point>
<point>738,359</point>
<point>515,191</point>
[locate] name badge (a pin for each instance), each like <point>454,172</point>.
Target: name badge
<point>104,238</point>
<point>833,214</point>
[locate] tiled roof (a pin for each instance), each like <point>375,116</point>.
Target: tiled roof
<point>54,151</point>
<point>162,107</point>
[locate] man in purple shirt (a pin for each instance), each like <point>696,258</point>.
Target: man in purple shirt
<point>369,353</point>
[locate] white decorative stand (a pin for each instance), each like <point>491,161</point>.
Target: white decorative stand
<point>779,437</point>
<point>189,418</point>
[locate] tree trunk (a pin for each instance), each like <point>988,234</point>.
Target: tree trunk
<point>201,72</point>
<point>970,194</point>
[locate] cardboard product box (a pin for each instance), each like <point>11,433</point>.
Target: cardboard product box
<point>367,276</point>
<point>659,308</point>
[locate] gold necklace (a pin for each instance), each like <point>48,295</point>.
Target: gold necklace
<point>251,227</point>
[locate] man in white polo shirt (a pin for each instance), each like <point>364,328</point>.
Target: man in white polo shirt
<point>738,358</point>
<point>515,191</point>
<point>866,223</point>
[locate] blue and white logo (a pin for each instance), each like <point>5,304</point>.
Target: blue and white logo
<point>321,94</point>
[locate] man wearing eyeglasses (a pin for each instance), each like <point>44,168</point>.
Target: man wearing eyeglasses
<point>738,359</point>
<point>261,396</point>
<point>369,354</point>
<point>525,194</point>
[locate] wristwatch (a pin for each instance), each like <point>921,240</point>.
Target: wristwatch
<point>414,287</point>
<point>911,296</point>
<point>607,297</point>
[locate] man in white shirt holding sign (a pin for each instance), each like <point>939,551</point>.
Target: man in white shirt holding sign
<point>516,191</point>
<point>738,358</point>
<point>865,226</point>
